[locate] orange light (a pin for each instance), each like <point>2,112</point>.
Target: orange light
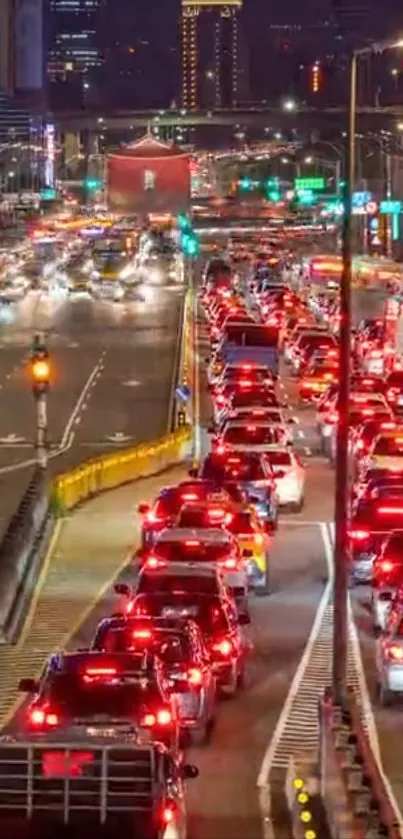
<point>41,370</point>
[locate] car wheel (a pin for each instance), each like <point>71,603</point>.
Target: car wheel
<point>384,695</point>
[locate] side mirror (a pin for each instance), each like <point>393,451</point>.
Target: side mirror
<point>28,686</point>
<point>122,588</point>
<point>188,771</point>
<point>143,509</point>
<point>247,554</point>
<point>193,472</point>
<point>244,619</point>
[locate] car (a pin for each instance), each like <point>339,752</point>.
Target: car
<point>255,544</point>
<point>246,396</point>
<point>275,419</point>
<point>169,501</point>
<point>253,437</point>
<point>234,373</point>
<point>386,451</point>
<point>212,609</point>
<point>254,475</point>
<point>198,537</point>
<point>289,474</point>
<point>180,647</point>
<point>363,435</point>
<point>394,389</point>
<point>308,341</point>
<point>387,577</point>
<point>389,658</point>
<point>363,406</point>
<point>370,522</point>
<point>91,694</point>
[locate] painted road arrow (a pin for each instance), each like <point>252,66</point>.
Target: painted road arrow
<point>119,437</point>
<point>12,438</point>
<point>131,383</point>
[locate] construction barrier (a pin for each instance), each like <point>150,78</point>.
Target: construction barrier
<point>357,802</point>
<point>113,470</point>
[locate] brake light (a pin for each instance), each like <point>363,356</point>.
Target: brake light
<point>258,539</point>
<point>42,717</point>
<point>195,676</point>
<point>367,412</point>
<point>142,634</point>
<point>220,400</point>
<point>395,652</point>
<point>272,322</point>
<point>246,367</point>
<point>386,566</point>
<point>168,814</point>
<point>190,496</point>
<point>257,414</point>
<point>192,543</point>
<point>154,562</point>
<point>233,460</point>
<point>163,717</point>
<point>388,426</point>
<point>359,445</point>
<point>359,535</point>
<point>216,514</point>
<point>230,564</point>
<point>152,518</point>
<point>392,394</point>
<point>100,671</point>
<point>224,647</point>
<point>251,427</point>
<point>390,510</point>
<point>245,383</point>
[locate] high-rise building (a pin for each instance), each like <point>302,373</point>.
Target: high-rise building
<point>209,53</point>
<point>74,54</point>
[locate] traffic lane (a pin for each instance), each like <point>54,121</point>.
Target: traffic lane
<point>389,720</point>
<point>132,399</point>
<point>12,487</point>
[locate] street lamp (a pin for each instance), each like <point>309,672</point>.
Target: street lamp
<point>290,105</point>
<point>341,547</point>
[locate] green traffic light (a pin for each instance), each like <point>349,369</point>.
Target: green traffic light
<point>183,221</point>
<point>93,183</point>
<point>245,183</point>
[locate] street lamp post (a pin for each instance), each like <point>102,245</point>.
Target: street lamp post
<point>40,374</point>
<point>341,547</point>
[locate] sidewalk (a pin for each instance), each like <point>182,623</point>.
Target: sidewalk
<point>88,550</point>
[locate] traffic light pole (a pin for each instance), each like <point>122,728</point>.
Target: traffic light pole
<point>41,445</point>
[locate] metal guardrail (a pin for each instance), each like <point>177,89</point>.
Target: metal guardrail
<point>354,794</point>
<point>19,545</point>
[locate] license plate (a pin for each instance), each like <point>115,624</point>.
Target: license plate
<point>63,765</point>
<point>188,704</point>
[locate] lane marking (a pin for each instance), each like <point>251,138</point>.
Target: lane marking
<point>80,404</point>
<point>40,581</point>
<point>279,731</point>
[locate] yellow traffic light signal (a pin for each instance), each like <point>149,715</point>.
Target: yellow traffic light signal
<point>41,370</point>
<point>316,77</point>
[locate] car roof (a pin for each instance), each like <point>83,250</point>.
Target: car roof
<point>207,535</point>
<point>183,569</point>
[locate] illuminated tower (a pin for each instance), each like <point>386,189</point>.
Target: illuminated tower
<point>210,53</point>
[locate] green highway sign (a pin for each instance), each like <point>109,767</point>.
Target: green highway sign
<point>391,207</point>
<point>48,194</point>
<point>306,196</point>
<point>309,183</point>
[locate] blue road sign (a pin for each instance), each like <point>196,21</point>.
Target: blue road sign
<point>182,393</point>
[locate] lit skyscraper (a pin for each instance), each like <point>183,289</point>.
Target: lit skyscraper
<point>74,54</point>
<point>209,53</point>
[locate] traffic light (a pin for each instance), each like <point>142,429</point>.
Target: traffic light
<point>183,222</point>
<point>190,245</point>
<point>245,184</point>
<point>92,183</point>
<point>40,369</point>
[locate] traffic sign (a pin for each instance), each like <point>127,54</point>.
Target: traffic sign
<point>360,199</point>
<point>390,207</point>
<point>48,194</point>
<point>182,393</point>
<point>309,183</point>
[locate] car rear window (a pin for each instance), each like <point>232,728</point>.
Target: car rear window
<point>206,610</point>
<point>254,396</point>
<point>233,467</point>
<point>389,446</point>
<point>171,583</point>
<point>70,693</point>
<point>251,435</point>
<point>279,458</point>
<point>252,336</point>
<point>170,647</point>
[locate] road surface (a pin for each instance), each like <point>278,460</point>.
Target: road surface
<point>113,367</point>
<point>95,543</point>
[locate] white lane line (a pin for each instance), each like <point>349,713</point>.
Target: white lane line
<point>81,402</point>
<point>271,751</point>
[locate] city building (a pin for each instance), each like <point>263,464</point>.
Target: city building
<point>209,48</point>
<point>74,53</point>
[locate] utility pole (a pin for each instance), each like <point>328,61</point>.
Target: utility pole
<point>40,376</point>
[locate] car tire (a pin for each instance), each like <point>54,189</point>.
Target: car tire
<point>384,696</point>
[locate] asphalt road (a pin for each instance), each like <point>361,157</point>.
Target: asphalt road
<point>223,801</point>
<point>113,367</point>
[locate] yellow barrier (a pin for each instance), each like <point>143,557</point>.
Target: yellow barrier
<point>115,469</point>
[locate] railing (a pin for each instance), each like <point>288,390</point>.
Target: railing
<point>356,800</point>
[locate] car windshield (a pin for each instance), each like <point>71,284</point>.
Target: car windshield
<point>176,583</point>
<point>389,446</point>
<point>252,336</point>
<point>114,698</point>
<point>252,435</point>
<point>254,396</point>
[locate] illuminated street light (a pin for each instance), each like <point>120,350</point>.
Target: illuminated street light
<point>308,160</point>
<point>285,160</point>
<point>400,126</point>
<point>290,105</point>
<point>277,136</point>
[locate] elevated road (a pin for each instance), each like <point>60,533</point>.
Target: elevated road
<point>247,117</point>
<point>113,367</point>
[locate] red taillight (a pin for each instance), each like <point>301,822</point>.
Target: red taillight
<point>142,634</point>
<point>367,412</point>
<point>220,400</point>
<point>387,426</point>
<point>359,535</point>
<point>223,647</point>
<point>195,676</point>
<point>230,564</point>
<point>192,543</point>
<point>384,511</point>
<point>168,814</point>
<point>151,518</point>
<point>43,717</point>
<point>359,445</point>
<point>101,671</point>
<point>216,515</point>
<point>391,394</point>
<point>190,496</point>
<point>395,652</point>
<point>245,383</point>
<point>163,717</point>
<point>386,566</point>
<point>154,562</point>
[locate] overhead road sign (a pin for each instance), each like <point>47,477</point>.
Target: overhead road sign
<point>309,184</point>
<point>391,207</point>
